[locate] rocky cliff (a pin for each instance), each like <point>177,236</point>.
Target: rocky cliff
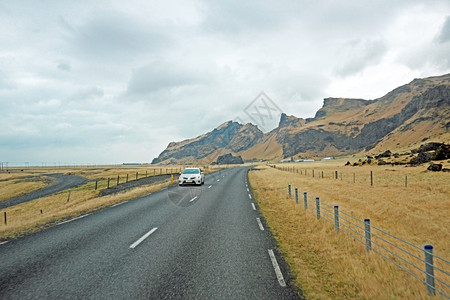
<point>230,136</point>
<point>407,115</point>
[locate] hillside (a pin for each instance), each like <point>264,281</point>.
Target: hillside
<point>404,117</point>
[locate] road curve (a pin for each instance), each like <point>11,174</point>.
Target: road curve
<point>60,183</point>
<point>207,242</point>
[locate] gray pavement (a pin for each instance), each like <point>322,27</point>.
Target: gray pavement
<point>206,245</point>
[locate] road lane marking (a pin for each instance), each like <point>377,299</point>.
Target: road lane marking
<point>193,199</point>
<point>119,204</point>
<point>73,219</point>
<point>276,267</point>
<point>259,224</point>
<point>253,205</point>
<point>249,196</point>
<point>218,179</point>
<point>2,243</point>
<point>135,244</point>
<point>248,190</point>
<point>209,186</point>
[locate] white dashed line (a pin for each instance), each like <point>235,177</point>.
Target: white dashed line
<point>193,199</point>
<point>73,219</point>
<point>209,186</point>
<point>249,196</point>
<point>248,190</point>
<point>218,179</point>
<point>119,204</point>
<point>259,224</point>
<point>253,206</point>
<point>2,243</point>
<point>276,267</point>
<point>135,244</point>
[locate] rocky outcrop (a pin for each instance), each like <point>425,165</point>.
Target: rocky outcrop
<point>230,135</point>
<point>412,112</point>
<point>229,159</point>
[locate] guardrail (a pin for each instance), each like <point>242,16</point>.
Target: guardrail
<point>432,271</point>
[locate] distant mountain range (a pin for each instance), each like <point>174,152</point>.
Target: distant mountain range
<point>406,116</point>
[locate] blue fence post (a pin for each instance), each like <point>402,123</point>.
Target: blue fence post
<point>318,207</point>
<point>336,218</point>
<point>429,270</point>
<point>296,195</point>
<point>368,236</point>
<point>305,197</point>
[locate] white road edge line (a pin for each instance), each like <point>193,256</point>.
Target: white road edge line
<point>2,243</point>
<point>119,204</point>
<point>277,268</point>
<point>135,244</point>
<point>259,224</point>
<point>193,199</point>
<point>249,196</point>
<point>73,219</point>
<point>248,190</point>
<point>253,205</point>
<point>209,186</point>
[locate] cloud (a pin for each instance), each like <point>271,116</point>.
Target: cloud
<point>355,55</point>
<point>107,82</point>
<point>160,76</point>
<point>444,35</point>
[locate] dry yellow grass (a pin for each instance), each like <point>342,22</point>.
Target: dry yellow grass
<point>330,265</point>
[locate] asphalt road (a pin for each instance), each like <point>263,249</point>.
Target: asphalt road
<point>60,183</point>
<point>206,242</point>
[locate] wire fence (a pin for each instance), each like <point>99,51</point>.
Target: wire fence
<point>420,263</point>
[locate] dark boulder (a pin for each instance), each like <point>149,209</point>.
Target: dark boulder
<point>435,167</point>
<point>386,153</point>
<point>423,157</point>
<point>229,159</point>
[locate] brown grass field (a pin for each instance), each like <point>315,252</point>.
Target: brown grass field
<point>40,213</point>
<point>333,265</point>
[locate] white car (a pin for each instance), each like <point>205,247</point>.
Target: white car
<point>191,175</point>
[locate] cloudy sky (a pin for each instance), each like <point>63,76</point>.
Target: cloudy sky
<point>99,82</point>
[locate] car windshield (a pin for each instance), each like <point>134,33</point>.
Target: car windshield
<point>191,171</point>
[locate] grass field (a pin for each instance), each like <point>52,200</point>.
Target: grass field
<point>333,265</point>
<point>40,213</point>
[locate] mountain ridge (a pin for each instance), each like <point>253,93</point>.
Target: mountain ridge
<point>403,117</point>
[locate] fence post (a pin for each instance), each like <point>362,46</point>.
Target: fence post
<point>429,270</point>
<point>336,173</point>
<point>96,184</point>
<point>4,214</point>
<point>318,207</point>
<point>108,182</point>
<point>127,178</point>
<point>313,173</point>
<point>289,190</point>
<point>118,179</point>
<point>68,197</point>
<point>371,178</point>
<point>368,238</point>
<point>305,198</point>
<point>146,173</point>
<point>336,218</point>
<point>137,175</point>
<point>296,195</point>
<point>406,181</point>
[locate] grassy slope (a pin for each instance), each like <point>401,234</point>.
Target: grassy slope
<point>331,265</point>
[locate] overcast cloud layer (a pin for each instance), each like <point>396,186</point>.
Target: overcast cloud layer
<point>99,82</point>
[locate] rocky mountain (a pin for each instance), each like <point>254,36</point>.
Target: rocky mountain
<point>230,137</point>
<point>406,116</point>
